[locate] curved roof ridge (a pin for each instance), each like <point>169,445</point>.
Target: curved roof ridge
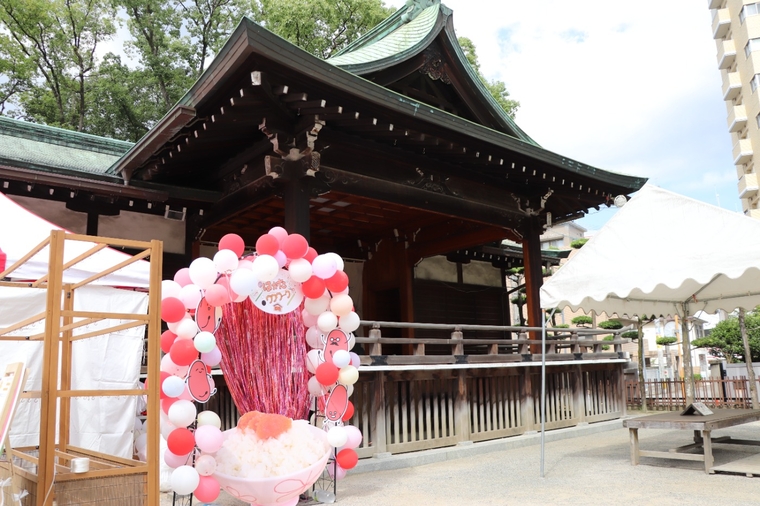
<point>396,40</point>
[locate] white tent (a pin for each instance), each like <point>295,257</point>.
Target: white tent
<point>660,253</point>
<point>21,231</point>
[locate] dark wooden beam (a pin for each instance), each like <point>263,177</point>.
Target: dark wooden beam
<point>464,237</point>
<point>531,232</point>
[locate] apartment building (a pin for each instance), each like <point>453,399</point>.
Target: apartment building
<point>736,30</point>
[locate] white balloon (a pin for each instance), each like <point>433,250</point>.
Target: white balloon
<point>173,326</point>
<point>324,266</point>
<point>313,359</point>
<point>209,418</point>
<point>317,306</point>
<point>184,480</point>
<point>337,436</point>
<point>166,428</point>
<point>337,259</point>
<point>225,260</point>
<point>347,376</point>
<point>300,270</point>
<point>265,268</point>
<point>170,288</point>
<point>315,388</point>
<point>243,282</point>
<point>182,413</point>
<point>190,295</point>
<point>314,337</point>
<point>341,358</point>
<point>186,329</point>
<point>341,305</point>
<point>349,322</point>
<point>203,272</point>
<point>327,321</point>
<point>173,386</point>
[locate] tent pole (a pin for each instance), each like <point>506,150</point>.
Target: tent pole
<point>688,372</point>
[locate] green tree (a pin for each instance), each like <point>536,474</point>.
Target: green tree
<point>578,243</point>
<point>582,321</point>
<point>497,89</point>
<point>52,43</point>
<point>610,325</point>
<point>725,340</point>
<point>321,27</point>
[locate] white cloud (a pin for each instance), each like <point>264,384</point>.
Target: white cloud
<point>634,90</point>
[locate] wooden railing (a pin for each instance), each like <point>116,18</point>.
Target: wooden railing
<point>462,387</point>
<point>669,394</point>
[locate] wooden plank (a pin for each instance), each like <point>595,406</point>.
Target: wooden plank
<point>110,270</point>
<point>73,261</point>
<point>64,413</point>
<point>21,261</point>
<point>67,394</point>
<point>675,456</point>
<point>110,241</point>
<point>23,323</point>
<point>154,358</point>
<point>103,473</point>
<point>103,456</point>
<point>100,315</point>
<point>108,330</point>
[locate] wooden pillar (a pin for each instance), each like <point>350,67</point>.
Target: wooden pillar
<point>154,373</point>
<point>92,223</point>
<point>531,232</point>
<point>64,417</point>
<point>49,394</point>
<point>296,197</point>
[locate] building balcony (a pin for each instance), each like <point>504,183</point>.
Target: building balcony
<point>726,53</point>
<point>748,186</point>
<point>742,151</point>
<point>715,4</point>
<point>753,213</point>
<point>721,23</point>
<point>732,85</point>
<point>737,118</point>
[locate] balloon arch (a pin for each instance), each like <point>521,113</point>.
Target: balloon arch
<point>284,276</point>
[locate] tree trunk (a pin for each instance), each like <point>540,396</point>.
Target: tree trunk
<point>748,361</point>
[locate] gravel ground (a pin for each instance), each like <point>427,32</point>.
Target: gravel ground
<point>581,468</point>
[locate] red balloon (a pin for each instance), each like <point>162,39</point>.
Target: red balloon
<point>349,411</point>
<point>172,310</point>
<point>338,282</point>
<point>167,339</point>
<point>181,441</point>
<point>295,246</point>
<point>313,287</point>
<point>217,295</point>
<point>183,352</point>
<point>233,242</point>
<point>267,244</point>
<point>311,254</point>
<point>207,490</point>
<point>346,458</point>
<point>327,373</point>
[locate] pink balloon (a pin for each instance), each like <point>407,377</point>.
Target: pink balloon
<point>208,438</point>
<point>213,357</point>
<point>207,490</point>
<point>355,360</point>
<point>282,260</point>
<point>309,320</point>
<point>183,276</point>
<point>354,437</point>
<point>232,242</point>
<point>280,233</point>
<point>168,366</point>
<point>175,460</point>
<point>335,471</point>
<point>314,337</point>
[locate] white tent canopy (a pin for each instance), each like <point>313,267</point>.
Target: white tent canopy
<point>21,231</point>
<point>660,252</point>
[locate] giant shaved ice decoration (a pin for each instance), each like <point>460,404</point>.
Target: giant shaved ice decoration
<point>257,316</point>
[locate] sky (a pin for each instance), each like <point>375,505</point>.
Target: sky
<point>632,90</point>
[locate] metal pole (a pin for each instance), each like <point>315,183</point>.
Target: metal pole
<point>543,387</point>
<point>543,390</point>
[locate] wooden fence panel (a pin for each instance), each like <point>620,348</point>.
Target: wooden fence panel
<point>494,406</point>
<point>668,395</point>
<point>603,400</point>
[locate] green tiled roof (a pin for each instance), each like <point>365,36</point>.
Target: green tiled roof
<point>402,39</point>
<point>41,147</point>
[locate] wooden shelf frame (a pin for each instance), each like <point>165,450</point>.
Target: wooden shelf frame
<point>60,321</point>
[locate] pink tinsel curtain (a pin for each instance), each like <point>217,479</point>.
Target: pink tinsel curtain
<point>263,360</point>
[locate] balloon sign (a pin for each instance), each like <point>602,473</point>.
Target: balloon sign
<point>284,275</point>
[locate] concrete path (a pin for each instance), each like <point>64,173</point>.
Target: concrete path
<point>587,465</point>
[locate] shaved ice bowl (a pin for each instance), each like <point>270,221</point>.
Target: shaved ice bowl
<point>281,490</point>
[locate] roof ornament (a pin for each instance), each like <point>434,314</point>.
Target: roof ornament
<point>414,7</point>
<point>529,211</point>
